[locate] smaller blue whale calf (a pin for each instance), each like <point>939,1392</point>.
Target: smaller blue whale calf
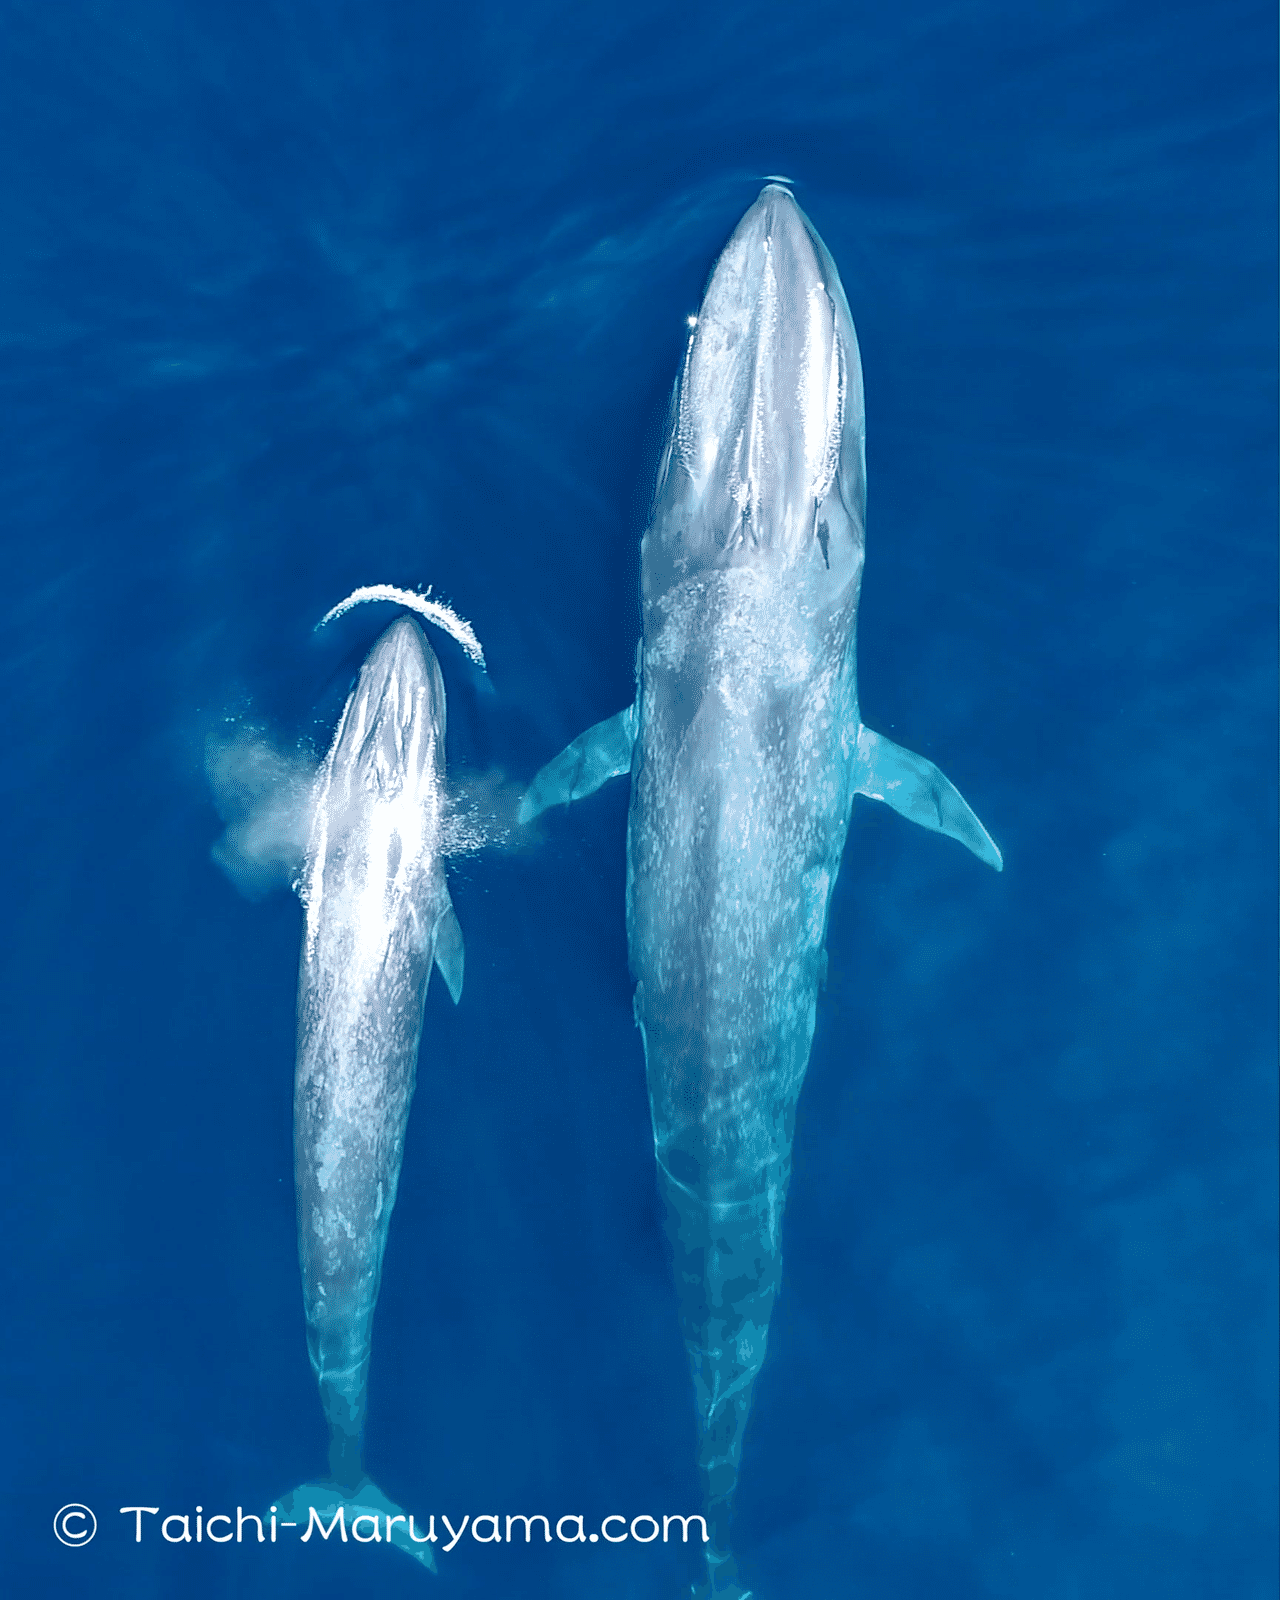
<point>378,914</point>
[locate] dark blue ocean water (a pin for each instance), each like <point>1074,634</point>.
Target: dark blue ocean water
<point>295,298</point>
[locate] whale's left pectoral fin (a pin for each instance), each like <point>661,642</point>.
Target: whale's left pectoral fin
<point>601,753</point>
<point>450,953</point>
<point>918,791</point>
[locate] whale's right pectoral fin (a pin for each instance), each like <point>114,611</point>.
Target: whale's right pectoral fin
<point>601,753</point>
<point>918,791</point>
<point>450,952</point>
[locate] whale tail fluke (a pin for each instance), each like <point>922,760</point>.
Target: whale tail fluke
<point>363,1514</point>
<point>722,1582</point>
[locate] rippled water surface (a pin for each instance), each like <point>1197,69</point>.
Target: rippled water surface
<point>296,298</point>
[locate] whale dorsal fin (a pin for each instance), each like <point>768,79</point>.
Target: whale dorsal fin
<point>601,753</point>
<point>918,791</point>
<point>450,952</point>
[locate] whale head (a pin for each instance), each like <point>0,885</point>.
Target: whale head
<point>764,461</point>
<point>391,740</point>
<point>379,797</point>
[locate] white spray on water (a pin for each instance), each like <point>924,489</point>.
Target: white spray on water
<point>433,610</point>
<point>265,794</point>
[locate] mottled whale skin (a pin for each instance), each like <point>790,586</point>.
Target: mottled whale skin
<point>378,913</point>
<point>746,749</point>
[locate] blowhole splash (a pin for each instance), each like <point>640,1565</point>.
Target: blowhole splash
<point>265,794</point>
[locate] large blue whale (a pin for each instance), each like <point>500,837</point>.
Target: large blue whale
<point>746,749</point>
<point>378,914</point>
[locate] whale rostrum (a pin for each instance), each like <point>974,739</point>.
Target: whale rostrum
<point>378,914</point>
<point>746,749</point>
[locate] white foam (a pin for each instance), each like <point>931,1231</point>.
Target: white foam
<point>264,796</point>
<point>433,610</point>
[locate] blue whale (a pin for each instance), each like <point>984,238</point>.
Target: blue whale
<point>746,749</point>
<point>378,914</point>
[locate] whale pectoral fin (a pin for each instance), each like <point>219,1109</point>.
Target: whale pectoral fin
<point>601,753</point>
<point>450,952</point>
<point>918,791</point>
